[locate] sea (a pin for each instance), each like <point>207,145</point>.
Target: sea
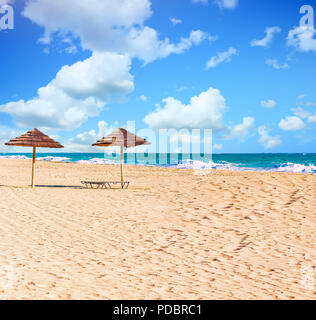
<point>297,163</point>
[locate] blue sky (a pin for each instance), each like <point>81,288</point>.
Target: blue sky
<point>245,69</point>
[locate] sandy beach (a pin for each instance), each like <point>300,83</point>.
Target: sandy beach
<point>171,235</point>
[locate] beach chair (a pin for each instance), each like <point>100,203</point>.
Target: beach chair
<point>105,184</point>
<point>119,138</point>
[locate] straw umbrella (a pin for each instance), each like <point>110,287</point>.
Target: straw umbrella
<point>121,138</point>
<point>35,139</point>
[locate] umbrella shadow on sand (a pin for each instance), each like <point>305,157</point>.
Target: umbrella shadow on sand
<point>58,186</point>
<point>42,186</point>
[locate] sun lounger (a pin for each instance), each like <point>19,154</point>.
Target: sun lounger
<point>105,184</point>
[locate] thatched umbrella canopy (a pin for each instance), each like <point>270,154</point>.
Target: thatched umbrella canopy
<point>35,139</point>
<point>123,139</point>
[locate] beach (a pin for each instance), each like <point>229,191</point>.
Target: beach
<point>173,234</point>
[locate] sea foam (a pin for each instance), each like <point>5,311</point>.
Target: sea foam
<point>53,159</point>
<point>15,157</point>
<point>284,167</point>
<point>200,165</point>
<point>97,161</point>
<point>295,167</point>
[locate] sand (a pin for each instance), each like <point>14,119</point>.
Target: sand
<point>171,235</point>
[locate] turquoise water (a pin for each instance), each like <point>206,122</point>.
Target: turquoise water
<point>305,163</point>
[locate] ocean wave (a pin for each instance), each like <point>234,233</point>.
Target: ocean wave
<point>284,167</point>
<point>15,157</point>
<point>188,164</point>
<point>47,158</point>
<point>97,161</point>
<point>295,167</point>
<point>200,165</point>
<point>53,159</point>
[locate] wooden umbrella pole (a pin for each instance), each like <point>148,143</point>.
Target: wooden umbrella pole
<point>122,159</point>
<point>33,167</point>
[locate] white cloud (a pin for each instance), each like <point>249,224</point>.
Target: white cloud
<point>268,141</point>
<point>142,98</point>
<point>227,4</point>
<point>240,131</point>
<point>302,38</point>
<point>82,142</point>
<point>305,114</point>
<point>302,96</point>
<point>221,57</point>
<point>300,112</point>
<point>217,146</point>
<point>100,76</point>
<point>204,2</point>
<point>184,141</point>
<point>182,89</point>
<point>204,112</point>
<point>115,33</point>
<point>92,20</point>
<point>307,103</point>
<point>6,134</point>
<point>312,119</point>
<point>275,64</point>
<point>291,123</point>
<point>3,2</point>
<point>115,26</point>
<point>71,49</point>
<point>175,21</point>
<point>185,138</point>
<point>85,138</point>
<point>78,92</point>
<point>52,109</point>
<point>146,45</point>
<point>270,32</point>
<point>310,104</point>
<point>268,103</point>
